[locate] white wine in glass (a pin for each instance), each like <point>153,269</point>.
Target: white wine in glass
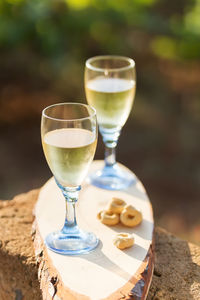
<point>113,99</point>
<point>110,83</point>
<point>69,138</point>
<point>69,152</point>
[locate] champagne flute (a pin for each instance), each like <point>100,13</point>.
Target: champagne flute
<point>110,83</point>
<point>69,138</point>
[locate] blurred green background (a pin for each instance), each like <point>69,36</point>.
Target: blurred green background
<point>43,47</point>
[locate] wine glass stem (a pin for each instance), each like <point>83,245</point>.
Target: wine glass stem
<point>110,155</point>
<point>71,197</point>
<point>110,139</point>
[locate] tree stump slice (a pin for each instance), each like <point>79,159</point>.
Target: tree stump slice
<point>176,273</point>
<point>107,272</point>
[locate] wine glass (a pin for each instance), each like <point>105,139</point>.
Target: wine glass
<point>110,83</point>
<point>69,138</point>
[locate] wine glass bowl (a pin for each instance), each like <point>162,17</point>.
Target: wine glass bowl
<point>110,83</point>
<point>69,138</point>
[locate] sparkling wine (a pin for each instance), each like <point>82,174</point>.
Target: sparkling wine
<point>112,98</point>
<point>69,152</point>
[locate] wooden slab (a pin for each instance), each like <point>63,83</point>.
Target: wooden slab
<point>106,272</point>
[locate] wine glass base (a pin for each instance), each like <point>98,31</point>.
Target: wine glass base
<point>71,243</point>
<point>112,178</point>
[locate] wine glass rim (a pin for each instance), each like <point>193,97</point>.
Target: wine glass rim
<point>69,103</point>
<point>89,61</point>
